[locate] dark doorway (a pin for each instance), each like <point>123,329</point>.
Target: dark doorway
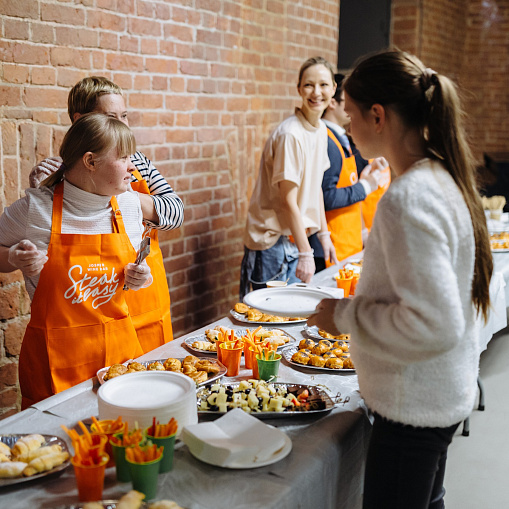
<point>364,27</point>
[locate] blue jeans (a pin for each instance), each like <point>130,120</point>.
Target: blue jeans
<point>278,263</point>
<point>405,467</point>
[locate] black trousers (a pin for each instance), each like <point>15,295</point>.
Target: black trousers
<point>405,466</point>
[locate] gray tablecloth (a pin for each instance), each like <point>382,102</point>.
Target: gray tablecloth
<point>324,468</point>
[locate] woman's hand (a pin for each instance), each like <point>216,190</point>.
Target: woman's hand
<point>329,251</point>
<point>305,266</point>
<point>137,276</point>
<point>43,170</point>
<point>323,316</point>
<point>26,257</point>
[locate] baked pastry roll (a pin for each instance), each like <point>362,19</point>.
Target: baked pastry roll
<point>241,308</point>
<point>253,315</point>
<point>306,343</point>
<point>341,344</point>
<point>301,357</point>
<point>199,376</point>
<point>337,352</point>
<point>5,451</point>
<point>207,366</point>
<point>344,337</point>
<point>317,360</point>
<point>115,370</point>
<point>329,354</point>
<point>36,453</point>
<point>172,364</point>
<point>334,363</point>
<point>320,349</point>
<point>45,463</point>
<point>348,364</point>
<point>155,366</point>
<point>10,469</point>
<point>135,366</point>
<point>26,444</point>
<point>206,346</point>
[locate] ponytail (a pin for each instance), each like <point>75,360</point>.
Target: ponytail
<point>54,178</point>
<point>428,102</point>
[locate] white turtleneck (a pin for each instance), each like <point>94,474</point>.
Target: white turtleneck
<point>83,212</point>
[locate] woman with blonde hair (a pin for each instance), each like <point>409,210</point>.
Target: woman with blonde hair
<point>75,239</point>
<point>287,206</point>
<point>425,279</point>
<point>161,206</point>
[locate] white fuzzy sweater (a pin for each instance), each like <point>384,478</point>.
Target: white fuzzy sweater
<point>414,333</point>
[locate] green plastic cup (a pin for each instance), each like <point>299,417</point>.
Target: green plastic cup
<point>268,369</point>
<point>169,445</point>
<point>144,477</point>
<point>121,465</point>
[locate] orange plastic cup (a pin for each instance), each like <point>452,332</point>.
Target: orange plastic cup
<point>106,425</point>
<point>219,352</point>
<point>353,286</point>
<point>346,284</point>
<point>90,479</point>
<point>230,358</point>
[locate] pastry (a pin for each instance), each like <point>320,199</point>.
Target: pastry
<point>5,452</point>
<point>45,463</point>
<point>325,342</point>
<point>329,354</point>
<point>189,369</point>
<point>155,366</point>
<point>320,349</point>
<point>300,357</point>
<point>306,343</point>
<point>36,453</point>
<point>172,365</point>
<point>341,344</point>
<point>334,363</point>
<point>326,335</point>
<point>10,469</point>
<point>205,346</point>
<point>348,364</point>
<point>132,367</point>
<point>241,308</point>
<point>337,352</point>
<point>212,335</point>
<point>26,444</point>
<point>253,315</point>
<point>317,360</point>
<point>131,500</point>
<point>115,370</point>
<point>208,366</point>
<point>344,337</point>
<point>199,376</point>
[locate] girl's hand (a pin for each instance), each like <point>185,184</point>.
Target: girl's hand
<point>329,251</point>
<point>43,170</point>
<point>323,316</point>
<point>26,257</point>
<point>137,276</point>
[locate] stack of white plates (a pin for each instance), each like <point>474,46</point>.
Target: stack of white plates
<point>139,397</point>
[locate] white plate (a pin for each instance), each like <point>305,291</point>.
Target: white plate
<point>100,374</point>
<point>503,250</point>
<point>288,352</point>
<point>289,301</point>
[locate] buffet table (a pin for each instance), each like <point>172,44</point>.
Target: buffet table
<point>324,468</point>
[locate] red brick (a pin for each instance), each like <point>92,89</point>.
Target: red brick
<point>9,302</point>
<point>106,21</point>
<point>13,335</point>
<point>180,103</point>
<point>20,8</point>
<point>194,68</point>
<point>147,101</point>
<point>61,13</point>
<point>43,75</point>
<point>124,62</point>
<point>71,57</point>
<point>44,97</point>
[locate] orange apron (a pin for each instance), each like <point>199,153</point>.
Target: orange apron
<point>345,223</point>
<point>150,307</point>
<point>370,203</point>
<point>79,318</point>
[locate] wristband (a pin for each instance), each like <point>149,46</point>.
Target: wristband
<point>306,254</point>
<point>323,234</point>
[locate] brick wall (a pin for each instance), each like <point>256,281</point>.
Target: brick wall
<point>467,40</point>
<point>205,82</point>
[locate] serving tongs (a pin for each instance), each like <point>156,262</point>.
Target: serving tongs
<point>142,253</point>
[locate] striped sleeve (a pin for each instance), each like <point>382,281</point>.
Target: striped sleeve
<point>168,205</point>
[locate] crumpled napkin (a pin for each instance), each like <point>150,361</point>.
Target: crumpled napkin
<point>236,440</point>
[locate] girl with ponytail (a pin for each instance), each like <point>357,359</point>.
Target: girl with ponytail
<point>425,281</point>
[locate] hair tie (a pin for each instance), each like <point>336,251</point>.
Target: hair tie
<point>428,79</point>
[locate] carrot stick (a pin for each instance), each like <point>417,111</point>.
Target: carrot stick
<point>97,424</point>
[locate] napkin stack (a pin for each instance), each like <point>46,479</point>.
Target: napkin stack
<point>236,440</point>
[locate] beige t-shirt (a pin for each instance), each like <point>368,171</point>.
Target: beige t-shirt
<point>296,152</point>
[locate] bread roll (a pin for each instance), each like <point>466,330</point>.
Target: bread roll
<point>26,444</point>
<point>45,463</point>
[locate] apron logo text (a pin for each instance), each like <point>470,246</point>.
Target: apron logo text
<point>99,289</point>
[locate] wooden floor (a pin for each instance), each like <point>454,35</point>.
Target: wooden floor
<point>477,474</point>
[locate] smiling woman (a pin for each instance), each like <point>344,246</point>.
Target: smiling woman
<point>75,242</point>
<point>287,203</point>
